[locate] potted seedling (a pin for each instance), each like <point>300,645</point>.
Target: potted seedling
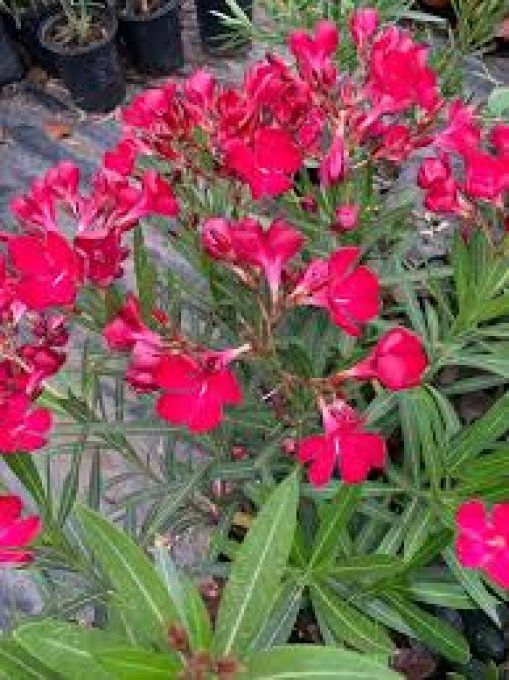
<point>223,24</point>
<point>82,38</point>
<point>11,68</point>
<point>152,35</point>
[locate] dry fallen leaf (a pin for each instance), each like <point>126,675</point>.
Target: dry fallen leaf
<point>57,129</point>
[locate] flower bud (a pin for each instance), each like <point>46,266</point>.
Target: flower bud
<point>363,25</point>
<point>346,217</point>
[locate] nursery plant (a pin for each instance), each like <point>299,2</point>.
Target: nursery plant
<point>80,36</point>
<point>299,359</point>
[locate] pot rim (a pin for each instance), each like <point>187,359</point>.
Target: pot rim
<point>111,25</point>
<point>141,18</point>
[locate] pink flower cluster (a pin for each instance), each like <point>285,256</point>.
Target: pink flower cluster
<point>469,165</point>
<point>282,119</point>
<point>65,239</point>
<point>194,383</point>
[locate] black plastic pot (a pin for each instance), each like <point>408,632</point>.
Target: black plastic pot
<point>154,41</point>
<point>11,68</point>
<point>30,23</point>
<point>93,73</point>
<point>213,32</point>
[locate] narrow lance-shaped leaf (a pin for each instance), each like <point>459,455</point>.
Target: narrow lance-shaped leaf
<point>347,624</point>
<point>335,517</point>
<point>18,664</point>
<point>478,436</point>
<point>363,567</point>
<point>67,649</point>
<point>432,631</point>
<point>147,603</point>
<point>313,662</point>
<point>281,621</point>
<point>133,664</point>
<point>257,570</point>
<point>186,599</point>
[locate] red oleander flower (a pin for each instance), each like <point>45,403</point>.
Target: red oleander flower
<point>398,75</point>
<point>482,540</point>
<point>346,217</point>
<point>345,445</point>
<point>121,159</point>
<point>127,328</point>
<point>313,52</point>
<point>398,361</point>
<point>270,250</point>
<point>268,164</point>
<point>22,429</point>
<point>63,180</point>
<point>149,106</point>
<point>462,133</point>
<point>486,176</point>
<point>499,137</point>
<point>102,255</point>
<point>441,190</point>
<point>200,87</point>
<point>217,239</point>
<point>246,243</point>
<point>273,89</point>
<point>157,196</point>
<point>43,362</point>
<point>350,293</point>
<point>396,144</point>
<point>16,532</point>
<point>48,270</point>
<point>37,207</point>
<point>196,389</point>
<point>129,333</point>
<point>334,165</point>
<point>363,25</point>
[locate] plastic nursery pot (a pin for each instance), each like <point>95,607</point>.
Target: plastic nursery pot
<point>154,40</point>
<point>11,68</point>
<point>92,73</point>
<point>213,31</point>
<point>30,22</point>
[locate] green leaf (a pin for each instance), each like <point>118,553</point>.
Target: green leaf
<point>498,102</point>
<point>257,570</point>
<point>391,542</point>
<point>17,664</point>
<point>434,632</point>
<point>147,603</point>
<point>187,601</point>
<point>66,648</point>
<point>146,275</point>
<point>438,593</point>
<point>480,435</point>
<point>312,662</point>
<point>281,621</point>
<point>133,664</point>
<point>23,466</point>
<point>364,567</point>
<point>347,624</point>
<point>70,485</point>
<point>335,517</point>
<point>473,585</point>
<point>418,532</point>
